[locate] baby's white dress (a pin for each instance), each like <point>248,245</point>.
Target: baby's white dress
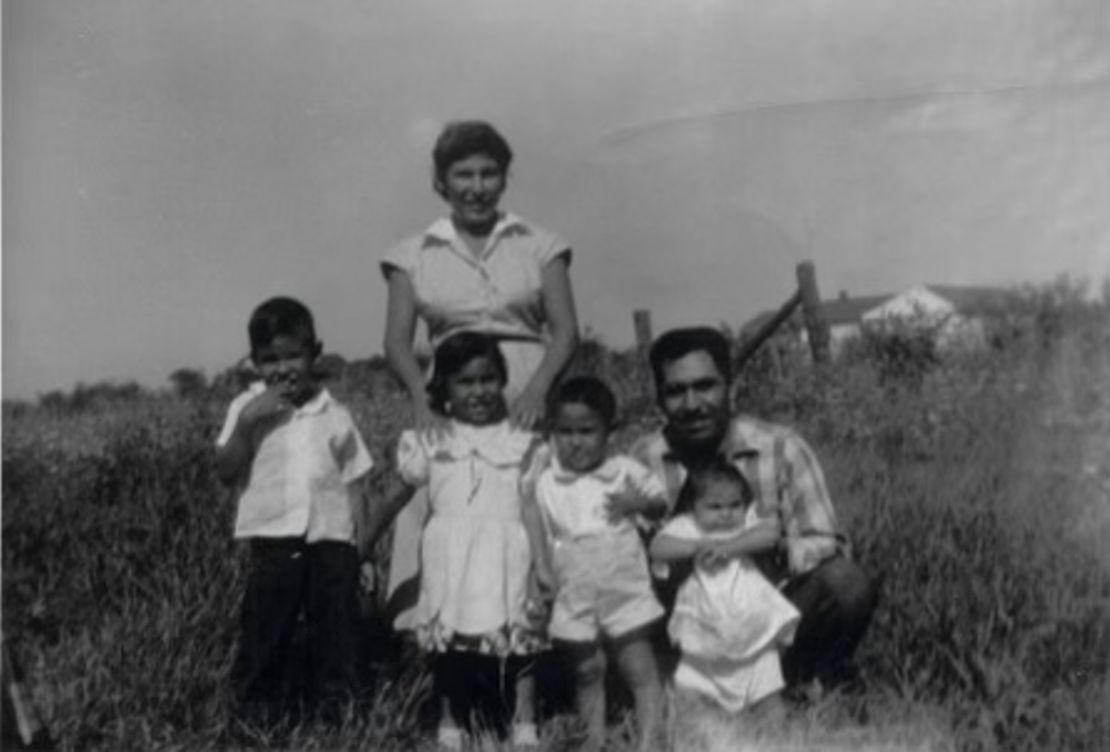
<point>729,625</point>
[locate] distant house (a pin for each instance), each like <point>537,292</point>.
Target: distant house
<point>955,313</point>
<point>844,316</point>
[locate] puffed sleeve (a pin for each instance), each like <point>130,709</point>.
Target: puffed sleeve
<point>412,459</point>
<point>349,450</point>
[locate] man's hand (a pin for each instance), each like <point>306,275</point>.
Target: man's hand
<point>714,557</point>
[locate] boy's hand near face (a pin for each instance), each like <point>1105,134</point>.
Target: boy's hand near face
<point>257,418</point>
<point>265,409</point>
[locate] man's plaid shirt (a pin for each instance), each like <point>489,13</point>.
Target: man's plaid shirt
<point>786,479</point>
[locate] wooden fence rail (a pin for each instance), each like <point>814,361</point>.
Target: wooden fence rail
<point>806,295</point>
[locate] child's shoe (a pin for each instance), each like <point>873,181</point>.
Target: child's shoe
<point>524,735</point>
<point>449,737</point>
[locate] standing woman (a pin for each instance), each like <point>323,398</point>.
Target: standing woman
<point>479,269</point>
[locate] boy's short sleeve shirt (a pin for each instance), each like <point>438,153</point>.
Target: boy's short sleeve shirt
<point>499,293</point>
<point>302,475</point>
<point>575,504</point>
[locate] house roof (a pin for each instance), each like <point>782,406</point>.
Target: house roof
<point>970,299</point>
<point>845,310</point>
<point>850,310</point>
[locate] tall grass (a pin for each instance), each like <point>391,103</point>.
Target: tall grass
<point>977,490</point>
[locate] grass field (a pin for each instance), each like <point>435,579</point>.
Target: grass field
<point>978,489</point>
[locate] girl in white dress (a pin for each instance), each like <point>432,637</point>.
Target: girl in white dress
<point>476,547</point>
<point>728,620</point>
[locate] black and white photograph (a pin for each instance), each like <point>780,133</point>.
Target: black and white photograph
<point>629,376</point>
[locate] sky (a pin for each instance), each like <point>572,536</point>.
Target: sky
<point>169,165</point>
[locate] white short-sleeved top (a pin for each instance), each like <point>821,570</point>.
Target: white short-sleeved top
<point>499,293</point>
<point>302,475</point>
<point>574,504</point>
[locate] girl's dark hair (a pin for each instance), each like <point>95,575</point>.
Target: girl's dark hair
<point>585,390</point>
<point>453,354</point>
<point>699,481</point>
<point>279,317</point>
<point>465,138</point>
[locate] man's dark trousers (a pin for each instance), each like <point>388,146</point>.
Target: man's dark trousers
<point>836,600</point>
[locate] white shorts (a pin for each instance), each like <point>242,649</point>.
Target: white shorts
<point>604,588</point>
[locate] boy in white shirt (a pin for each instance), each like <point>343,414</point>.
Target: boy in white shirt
<point>604,602</point>
<point>296,459</point>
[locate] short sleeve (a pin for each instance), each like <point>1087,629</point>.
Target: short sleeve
<point>548,247</point>
<point>412,459</point>
<point>350,451</point>
<point>683,527</point>
<point>403,257</point>
<point>233,411</point>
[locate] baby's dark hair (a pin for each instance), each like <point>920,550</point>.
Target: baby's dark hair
<point>453,354</point>
<point>462,139</point>
<point>277,317</point>
<point>701,479</point>
<point>585,390</point>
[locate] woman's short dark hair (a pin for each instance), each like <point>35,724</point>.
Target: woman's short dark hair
<point>452,356</point>
<point>585,390</point>
<point>699,481</point>
<point>678,343</point>
<point>465,138</point>
<point>280,317</point>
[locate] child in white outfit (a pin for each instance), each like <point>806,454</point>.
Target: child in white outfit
<point>728,621</point>
<point>295,457</point>
<point>590,503</point>
<point>476,548</point>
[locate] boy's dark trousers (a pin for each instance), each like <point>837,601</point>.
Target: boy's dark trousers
<point>286,576</point>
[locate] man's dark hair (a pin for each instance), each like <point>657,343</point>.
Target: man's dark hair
<point>280,317</point>
<point>701,479</point>
<point>453,354</point>
<point>585,390</point>
<point>465,138</point>
<point>678,343</point>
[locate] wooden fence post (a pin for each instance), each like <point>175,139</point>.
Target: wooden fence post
<point>641,319</point>
<point>816,328</point>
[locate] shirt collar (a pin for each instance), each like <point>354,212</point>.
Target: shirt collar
<point>733,446</point>
<point>498,443</point>
<point>443,229</point>
<point>606,472</point>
